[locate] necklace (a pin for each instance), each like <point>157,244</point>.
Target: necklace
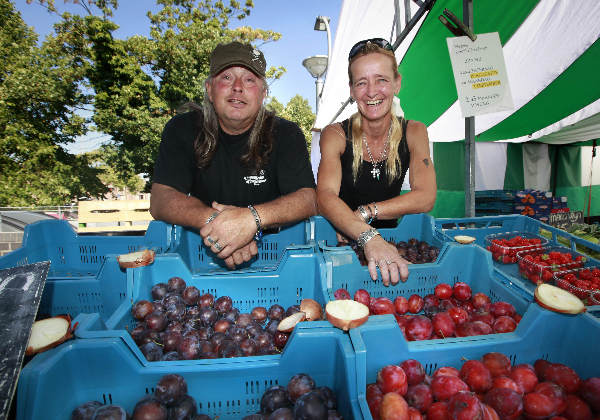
<point>376,171</point>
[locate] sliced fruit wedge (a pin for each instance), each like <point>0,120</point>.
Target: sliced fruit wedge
<point>49,333</point>
<point>557,299</point>
<point>346,313</point>
<point>136,259</point>
<point>287,324</point>
<point>464,239</point>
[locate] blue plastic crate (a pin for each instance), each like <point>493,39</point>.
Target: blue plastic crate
<point>56,382</point>
<point>100,294</point>
<point>420,226</point>
<point>483,227</point>
<point>568,339</point>
<point>74,256</point>
<point>200,259</point>
<point>298,276</point>
<point>468,264</point>
<point>480,227</point>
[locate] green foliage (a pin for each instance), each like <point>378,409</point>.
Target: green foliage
<point>40,92</point>
<point>139,83</point>
<point>274,105</point>
<point>84,78</point>
<point>125,179</point>
<point>297,110</point>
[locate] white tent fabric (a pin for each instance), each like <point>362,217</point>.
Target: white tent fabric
<point>555,34</point>
<point>536,166</point>
<point>582,125</point>
<point>490,165</point>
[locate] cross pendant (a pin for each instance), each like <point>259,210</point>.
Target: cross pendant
<point>375,173</point>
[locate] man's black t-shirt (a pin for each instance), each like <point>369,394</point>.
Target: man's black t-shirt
<point>225,179</point>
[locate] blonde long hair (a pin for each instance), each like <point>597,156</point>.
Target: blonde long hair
<point>393,166</point>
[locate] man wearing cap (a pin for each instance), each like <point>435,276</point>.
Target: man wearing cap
<point>229,167</point>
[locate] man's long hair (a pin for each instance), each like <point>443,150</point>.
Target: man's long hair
<point>260,142</point>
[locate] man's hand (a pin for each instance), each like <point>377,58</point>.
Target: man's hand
<point>232,230</point>
<point>242,255</point>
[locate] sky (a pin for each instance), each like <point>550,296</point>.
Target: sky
<point>295,21</point>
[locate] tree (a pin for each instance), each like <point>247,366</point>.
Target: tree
<point>299,111</point>
<point>101,159</point>
<point>40,94</point>
<point>274,106</point>
<point>139,83</point>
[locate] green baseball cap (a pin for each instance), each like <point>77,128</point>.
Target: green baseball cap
<point>237,54</point>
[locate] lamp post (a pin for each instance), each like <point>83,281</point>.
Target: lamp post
<point>317,64</point>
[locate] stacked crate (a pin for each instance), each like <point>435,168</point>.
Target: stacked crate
<point>494,202</point>
<point>534,203</point>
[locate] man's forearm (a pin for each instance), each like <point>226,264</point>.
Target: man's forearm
<point>289,208</point>
<point>172,206</point>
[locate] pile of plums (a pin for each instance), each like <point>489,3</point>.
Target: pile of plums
<point>169,401</point>
<point>300,399</point>
<point>451,311</point>
<point>182,324</point>
<point>487,389</point>
<point>413,250</point>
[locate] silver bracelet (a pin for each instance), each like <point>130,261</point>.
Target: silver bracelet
<point>259,233</point>
<point>376,210</point>
<point>363,213</point>
<point>211,217</point>
<point>366,236</point>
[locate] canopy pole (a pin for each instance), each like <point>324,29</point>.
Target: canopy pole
<point>469,134</point>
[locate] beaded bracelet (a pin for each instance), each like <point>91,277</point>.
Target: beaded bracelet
<point>375,213</point>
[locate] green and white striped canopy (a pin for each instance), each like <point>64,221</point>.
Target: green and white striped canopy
<point>552,53</point>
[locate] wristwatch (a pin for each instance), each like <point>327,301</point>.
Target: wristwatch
<point>366,236</point>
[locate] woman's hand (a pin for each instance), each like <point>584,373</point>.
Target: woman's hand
<point>382,254</point>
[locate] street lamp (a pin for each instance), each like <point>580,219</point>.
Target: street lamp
<point>322,24</point>
<point>317,64</point>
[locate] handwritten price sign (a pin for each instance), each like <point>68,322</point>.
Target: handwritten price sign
<point>480,74</point>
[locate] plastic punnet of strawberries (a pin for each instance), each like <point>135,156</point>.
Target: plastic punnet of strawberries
<point>583,283</point>
<point>539,266</point>
<point>505,250</point>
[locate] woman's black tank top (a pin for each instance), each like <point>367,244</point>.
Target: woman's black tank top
<point>368,189</point>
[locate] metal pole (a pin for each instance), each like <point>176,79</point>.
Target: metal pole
<point>319,89</point>
<point>469,134</point>
<point>326,21</point>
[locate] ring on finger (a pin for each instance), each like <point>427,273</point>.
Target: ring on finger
<point>217,246</point>
<point>389,262</point>
<point>210,240</point>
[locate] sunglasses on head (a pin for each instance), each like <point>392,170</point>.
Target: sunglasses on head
<point>380,42</point>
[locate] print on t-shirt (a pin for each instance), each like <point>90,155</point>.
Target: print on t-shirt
<point>256,179</point>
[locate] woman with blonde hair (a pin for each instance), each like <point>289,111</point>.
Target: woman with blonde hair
<point>364,160</point>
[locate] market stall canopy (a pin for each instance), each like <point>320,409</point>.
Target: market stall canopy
<point>552,54</point>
